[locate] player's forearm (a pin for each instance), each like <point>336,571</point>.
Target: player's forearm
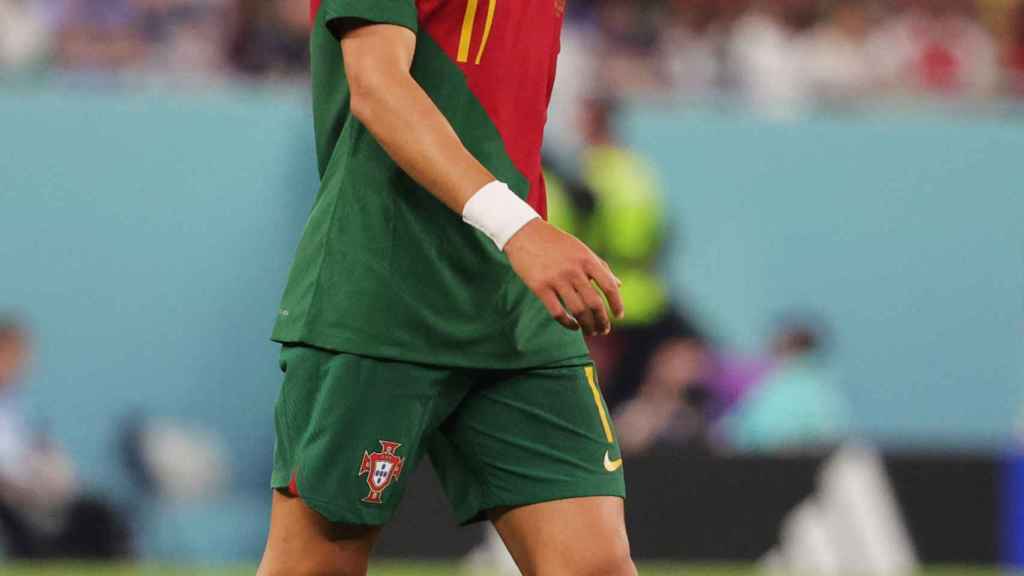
<point>408,125</point>
<point>417,136</point>
<point>404,120</point>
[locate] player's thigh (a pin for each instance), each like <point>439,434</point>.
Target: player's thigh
<point>303,543</point>
<point>526,437</point>
<point>576,536</point>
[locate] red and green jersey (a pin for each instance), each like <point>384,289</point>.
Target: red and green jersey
<point>384,269</point>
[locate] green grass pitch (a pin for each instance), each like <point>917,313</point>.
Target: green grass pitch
<point>402,569</point>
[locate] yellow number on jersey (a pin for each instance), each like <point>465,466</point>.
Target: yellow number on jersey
<point>468,22</point>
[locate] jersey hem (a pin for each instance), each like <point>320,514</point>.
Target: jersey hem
<point>343,345</point>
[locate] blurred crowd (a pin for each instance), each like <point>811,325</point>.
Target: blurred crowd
<point>784,55</point>
<point>201,41</point>
<point>778,55</point>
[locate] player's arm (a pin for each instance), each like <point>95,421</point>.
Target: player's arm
<point>557,267</point>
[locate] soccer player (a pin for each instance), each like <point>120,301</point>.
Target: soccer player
<point>430,309</point>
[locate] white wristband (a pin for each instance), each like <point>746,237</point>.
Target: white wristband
<point>496,211</point>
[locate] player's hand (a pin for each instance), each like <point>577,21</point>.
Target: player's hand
<point>562,272</point>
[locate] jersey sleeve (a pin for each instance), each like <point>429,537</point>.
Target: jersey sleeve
<point>399,12</point>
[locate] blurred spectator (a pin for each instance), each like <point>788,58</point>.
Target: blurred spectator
<point>30,467</point>
<point>936,47</point>
<point>99,36</point>
<point>184,37</point>
<point>691,47</point>
<point>23,35</point>
<point>181,38</point>
<point>272,37</point>
<point>627,47</point>
<point>577,77</point>
<point>1013,51</point>
<point>837,65</point>
<point>766,56</point>
<point>42,512</point>
<point>796,405</point>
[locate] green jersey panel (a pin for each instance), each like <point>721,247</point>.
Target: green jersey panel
<point>386,270</point>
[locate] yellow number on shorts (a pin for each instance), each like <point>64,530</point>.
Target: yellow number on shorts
<point>468,22</point>
<point>592,380</point>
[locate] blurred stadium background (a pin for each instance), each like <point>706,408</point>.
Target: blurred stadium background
<point>816,206</point>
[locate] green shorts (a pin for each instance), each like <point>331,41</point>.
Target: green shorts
<point>351,430</point>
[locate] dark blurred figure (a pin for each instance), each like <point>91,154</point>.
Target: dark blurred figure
<point>42,512</point>
<point>788,401</point>
<point>1013,51</point>
<point>650,362</point>
<point>272,37</point>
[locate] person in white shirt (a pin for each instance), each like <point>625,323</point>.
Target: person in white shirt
<point>766,58</point>
<point>23,35</point>
<point>836,57</point>
<point>38,486</point>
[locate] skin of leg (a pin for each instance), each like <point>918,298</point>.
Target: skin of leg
<point>303,543</point>
<point>572,537</point>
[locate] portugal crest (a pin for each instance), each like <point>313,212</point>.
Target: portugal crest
<point>381,469</point>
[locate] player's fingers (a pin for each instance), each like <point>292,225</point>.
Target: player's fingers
<point>604,264</point>
<point>575,304</point>
<point>550,300</point>
<point>595,303</point>
<point>609,284</point>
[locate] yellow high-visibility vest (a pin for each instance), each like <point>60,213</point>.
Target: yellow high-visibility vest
<point>627,227</point>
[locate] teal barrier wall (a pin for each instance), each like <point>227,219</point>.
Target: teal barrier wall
<point>147,238</point>
<point>904,232</point>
